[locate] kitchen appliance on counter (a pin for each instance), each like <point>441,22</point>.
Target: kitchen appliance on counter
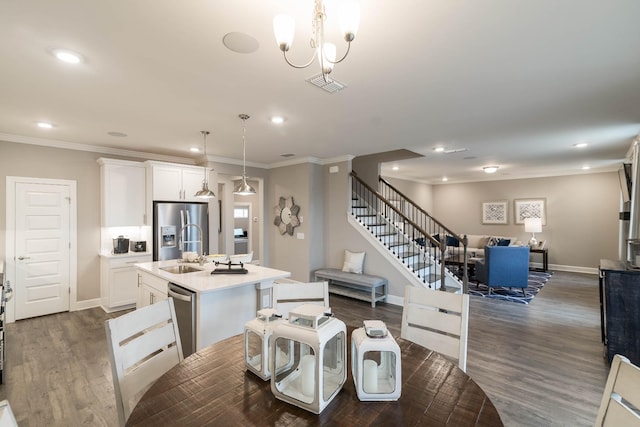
<point>120,245</point>
<point>170,230</point>
<point>138,246</point>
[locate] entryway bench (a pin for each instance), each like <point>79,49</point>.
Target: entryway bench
<point>360,286</point>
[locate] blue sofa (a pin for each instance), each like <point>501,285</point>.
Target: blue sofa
<point>504,266</point>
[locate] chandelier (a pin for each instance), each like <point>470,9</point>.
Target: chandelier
<point>243,188</point>
<point>205,193</point>
<point>284,26</point>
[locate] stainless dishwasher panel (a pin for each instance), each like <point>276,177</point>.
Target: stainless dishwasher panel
<point>185,304</point>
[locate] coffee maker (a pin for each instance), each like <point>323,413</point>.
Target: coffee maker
<point>120,245</point>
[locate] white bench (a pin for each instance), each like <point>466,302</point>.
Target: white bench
<point>360,286</point>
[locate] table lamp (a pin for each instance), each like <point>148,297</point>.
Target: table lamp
<point>309,358</point>
<point>257,334</point>
<point>375,362</point>
<point>533,226</point>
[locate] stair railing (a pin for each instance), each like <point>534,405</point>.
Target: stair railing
<point>416,234</point>
<point>456,244</point>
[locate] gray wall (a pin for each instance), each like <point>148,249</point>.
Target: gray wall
<point>582,212</point>
<point>299,256</point>
<point>420,193</point>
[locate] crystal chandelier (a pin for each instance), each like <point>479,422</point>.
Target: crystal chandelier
<point>243,188</point>
<point>284,26</point>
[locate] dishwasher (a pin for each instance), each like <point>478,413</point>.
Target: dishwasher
<point>185,303</point>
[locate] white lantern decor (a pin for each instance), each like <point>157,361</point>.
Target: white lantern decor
<point>309,358</point>
<point>375,362</point>
<point>257,334</point>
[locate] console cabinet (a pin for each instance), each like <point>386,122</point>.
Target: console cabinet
<point>620,310</point>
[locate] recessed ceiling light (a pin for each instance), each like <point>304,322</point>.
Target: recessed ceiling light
<point>439,149</point>
<point>580,145</point>
<point>67,56</point>
<point>395,168</point>
<point>586,168</point>
<point>277,120</point>
<point>445,179</point>
<point>194,149</point>
<point>490,169</point>
<point>44,125</point>
<point>287,155</point>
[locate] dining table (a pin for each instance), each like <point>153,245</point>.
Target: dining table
<point>212,387</point>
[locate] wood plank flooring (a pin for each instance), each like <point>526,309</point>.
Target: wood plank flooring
<point>541,364</point>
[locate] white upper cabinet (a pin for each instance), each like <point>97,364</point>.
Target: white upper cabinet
<point>123,189</point>
<point>175,183</point>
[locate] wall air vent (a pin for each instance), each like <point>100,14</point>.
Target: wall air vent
<point>331,87</point>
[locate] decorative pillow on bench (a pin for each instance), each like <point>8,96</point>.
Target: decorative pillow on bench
<point>353,262</point>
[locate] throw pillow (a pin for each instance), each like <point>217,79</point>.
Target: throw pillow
<point>482,242</point>
<point>353,262</point>
<point>504,242</point>
<point>452,241</point>
<point>493,241</point>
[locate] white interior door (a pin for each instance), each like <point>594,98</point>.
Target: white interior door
<point>42,249</point>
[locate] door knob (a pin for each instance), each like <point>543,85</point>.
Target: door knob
<point>24,257</point>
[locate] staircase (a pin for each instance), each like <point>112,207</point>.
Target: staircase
<point>407,232</point>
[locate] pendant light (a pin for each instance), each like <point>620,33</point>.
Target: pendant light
<point>243,188</point>
<point>205,193</point>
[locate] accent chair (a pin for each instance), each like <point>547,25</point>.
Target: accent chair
<point>504,266</point>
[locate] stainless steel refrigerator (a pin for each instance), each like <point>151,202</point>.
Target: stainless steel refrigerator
<point>179,227</point>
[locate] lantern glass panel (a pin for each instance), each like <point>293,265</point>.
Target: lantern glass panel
<point>333,365</point>
<point>295,374</point>
<point>254,350</point>
<point>379,370</point>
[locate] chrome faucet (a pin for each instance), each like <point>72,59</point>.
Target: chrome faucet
<point>201,258</point>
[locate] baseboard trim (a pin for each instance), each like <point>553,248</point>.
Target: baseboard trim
<point>86,304</point>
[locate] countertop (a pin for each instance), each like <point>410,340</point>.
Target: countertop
<point>203,281</point>
<point>125,255</point>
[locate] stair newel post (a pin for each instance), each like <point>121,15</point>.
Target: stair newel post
<point>443,247</point>
<point>465,274</point>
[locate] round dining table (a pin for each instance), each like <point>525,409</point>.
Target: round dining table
<point>213,388</point>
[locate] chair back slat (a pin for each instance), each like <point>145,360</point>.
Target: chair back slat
<point>438,321</point>
<point>143,345</point>
<point>287,296</point>
<point>620,405</point>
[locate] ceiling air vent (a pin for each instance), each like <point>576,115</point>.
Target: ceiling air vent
<point>331,87</point>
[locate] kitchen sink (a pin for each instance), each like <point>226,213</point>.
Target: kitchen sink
<point>180,269</point>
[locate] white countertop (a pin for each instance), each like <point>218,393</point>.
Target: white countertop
<point>125,255</point>
<point>204,281</point>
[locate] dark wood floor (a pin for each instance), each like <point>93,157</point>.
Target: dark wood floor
<point>542,364</point>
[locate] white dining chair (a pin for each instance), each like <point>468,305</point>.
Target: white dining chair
<point>620,404</point>
<point>438,321</point>
<point>143,345</point>
<point>243,258</point>
<point>287,296</point>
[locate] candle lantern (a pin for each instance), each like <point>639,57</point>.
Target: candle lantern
<point>257,334</point>
<point>375,362</point>
<point>309,358</point>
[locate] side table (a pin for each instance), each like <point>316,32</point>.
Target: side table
<point>545,259</point>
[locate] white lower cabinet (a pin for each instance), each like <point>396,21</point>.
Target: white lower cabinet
<point>151,289</point>
<point>119,281</point>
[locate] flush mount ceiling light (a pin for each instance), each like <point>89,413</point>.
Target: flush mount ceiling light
<point>67,56</point>
<point>277,120</point>
<point>44,125</point>
<point>490,169</point>
<point>244,189</point>
<point>284,27</point>
<point>205,193</point>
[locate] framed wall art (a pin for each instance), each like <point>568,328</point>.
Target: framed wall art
<point>495,212</point>
<point>530,208</point>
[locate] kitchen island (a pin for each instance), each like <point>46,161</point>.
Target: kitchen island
<point>223,302</point>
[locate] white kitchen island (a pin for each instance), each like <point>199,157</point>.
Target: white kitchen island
<point>224,302</point>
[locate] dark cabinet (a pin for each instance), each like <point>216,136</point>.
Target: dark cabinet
<point>620,310</point>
